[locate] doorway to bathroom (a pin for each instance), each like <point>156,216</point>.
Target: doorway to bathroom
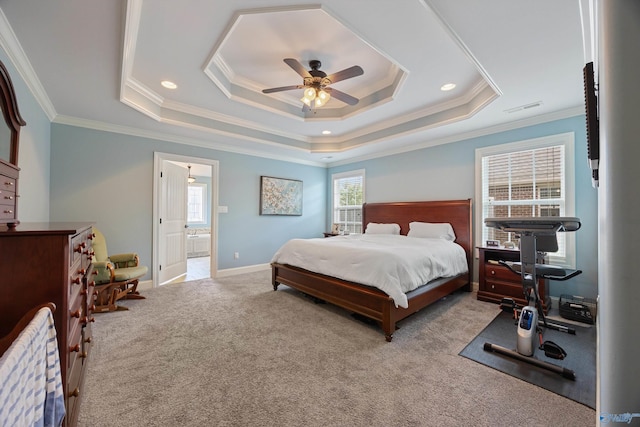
<point>185,218</point>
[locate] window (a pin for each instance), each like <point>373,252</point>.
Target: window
<point>197,203</point>
<point>348,197</point>
<point>527,178</point>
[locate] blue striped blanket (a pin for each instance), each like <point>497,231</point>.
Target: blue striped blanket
<point>31,393</point>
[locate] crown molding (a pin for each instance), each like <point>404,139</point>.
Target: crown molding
<point>9,42</point>
<point>161,136</point>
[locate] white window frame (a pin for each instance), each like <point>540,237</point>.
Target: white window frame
<point>342,175</point>
<point>566,140</point>
<point>203,202</point>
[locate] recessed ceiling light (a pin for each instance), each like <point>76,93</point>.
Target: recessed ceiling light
<point>168,84</point>
<point>448,86</point>
<point>326,132</point>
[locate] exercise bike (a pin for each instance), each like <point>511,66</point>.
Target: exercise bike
<point>537,234</point>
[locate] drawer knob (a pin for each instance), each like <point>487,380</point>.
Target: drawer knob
<point>88,340</point>
<point>76,313</point>
<point>493,272</point>
<point>74,348</point>
<point>75,392</point>
<point>9,183</point>
<point>8,197</point>
<point>75,280</point>
<point>8,211</point>
<point>493,286</point>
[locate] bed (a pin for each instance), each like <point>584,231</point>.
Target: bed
<point>371,302</point>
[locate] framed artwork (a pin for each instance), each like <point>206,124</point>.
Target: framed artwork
<point>280,196</point>
<point>335,229</point>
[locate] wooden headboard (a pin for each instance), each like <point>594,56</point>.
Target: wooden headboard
<point>456,212</point>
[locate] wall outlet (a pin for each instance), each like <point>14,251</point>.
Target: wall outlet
<point>236,255</point>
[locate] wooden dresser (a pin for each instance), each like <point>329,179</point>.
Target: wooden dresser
<point>496,281</point>
<point>51,262</point>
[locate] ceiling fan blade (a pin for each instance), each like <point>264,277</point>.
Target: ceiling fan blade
<point>347,73</point>
<point>282,88</point>
<point>339,95</point>
<point>297,67</point>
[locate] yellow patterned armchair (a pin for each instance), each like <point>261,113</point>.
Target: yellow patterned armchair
<point>116,276</point>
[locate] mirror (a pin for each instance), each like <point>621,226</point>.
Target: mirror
<point>9,139</point>
<point>5,141</point>
<point>10,126</point>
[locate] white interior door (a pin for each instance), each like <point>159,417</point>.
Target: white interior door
<point>173,222</point>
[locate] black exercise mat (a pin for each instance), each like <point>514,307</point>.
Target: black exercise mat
<point>581,358</point>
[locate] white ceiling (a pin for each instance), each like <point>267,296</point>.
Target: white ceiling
<point>100,63</point>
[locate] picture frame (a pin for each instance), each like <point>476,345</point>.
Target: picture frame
<point>280,196</point>
<point>335,228</point>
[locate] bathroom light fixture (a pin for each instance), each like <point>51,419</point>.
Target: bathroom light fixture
<point>190,178</point>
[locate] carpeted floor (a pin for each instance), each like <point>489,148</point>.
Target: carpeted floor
<point>581,358</point>
<point>232,352</point>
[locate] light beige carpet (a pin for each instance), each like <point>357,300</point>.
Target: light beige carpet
<point>233,352</point>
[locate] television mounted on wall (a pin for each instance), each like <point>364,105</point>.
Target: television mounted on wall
<point>593,126</point>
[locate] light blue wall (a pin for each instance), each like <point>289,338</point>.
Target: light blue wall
<point>108,178</point>
<point>448,172</point>
<point>33,153</point>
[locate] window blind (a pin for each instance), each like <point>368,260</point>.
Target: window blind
<point>528,179</point>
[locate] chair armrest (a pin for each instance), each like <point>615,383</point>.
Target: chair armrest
<point>103,272</point>
<point>124,260</point>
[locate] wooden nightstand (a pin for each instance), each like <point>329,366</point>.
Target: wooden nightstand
<point>496,281</point>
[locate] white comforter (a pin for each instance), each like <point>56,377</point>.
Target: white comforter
<point>394,264</point>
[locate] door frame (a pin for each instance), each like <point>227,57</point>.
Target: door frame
<point>158,159</point>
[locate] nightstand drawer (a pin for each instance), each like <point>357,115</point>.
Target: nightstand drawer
<point>506,289</point>
<point>496,271</point>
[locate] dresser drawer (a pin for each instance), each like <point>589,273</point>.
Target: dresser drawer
<point>7,197</point>
<point>7,183</point>
<point>74,384</point>
<point>74,343</point>
<point>81,249</point>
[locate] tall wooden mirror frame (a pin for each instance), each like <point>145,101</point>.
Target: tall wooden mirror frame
<point>9,169</point>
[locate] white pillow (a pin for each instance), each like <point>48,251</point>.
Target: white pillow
<point>376,228</point>
<point>441,230</point>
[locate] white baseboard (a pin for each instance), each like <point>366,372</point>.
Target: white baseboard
<point>147,284</point>
<point>241,270</point>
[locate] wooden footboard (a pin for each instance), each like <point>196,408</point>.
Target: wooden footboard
<point>372,302</point>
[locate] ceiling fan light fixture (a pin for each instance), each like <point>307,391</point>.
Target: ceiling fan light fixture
<point>310,93</point>
<point>190,179</point>
<point>322,98</point>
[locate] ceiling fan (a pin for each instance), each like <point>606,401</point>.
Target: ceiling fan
<point>315,83</point>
